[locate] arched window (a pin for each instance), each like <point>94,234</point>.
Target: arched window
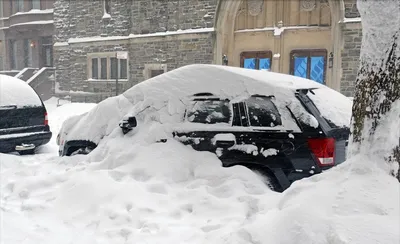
<point>107,7</point>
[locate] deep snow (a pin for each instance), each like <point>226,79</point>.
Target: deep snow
<point>132,190</point>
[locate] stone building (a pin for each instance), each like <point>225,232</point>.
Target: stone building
<point>100,42</point>
<point>26,30</point>
<point>26,43</point>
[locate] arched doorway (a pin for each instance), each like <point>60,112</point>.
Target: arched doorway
<point>299,37</point>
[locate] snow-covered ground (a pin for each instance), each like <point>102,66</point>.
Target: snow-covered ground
<point>143,192</point>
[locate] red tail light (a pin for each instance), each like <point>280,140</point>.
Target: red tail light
<point>46,119</point>
<point>323,149</point>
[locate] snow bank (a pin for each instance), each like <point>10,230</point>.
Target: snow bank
<point>343,205</point>
<point>133,190</point>
<point>14,91</point>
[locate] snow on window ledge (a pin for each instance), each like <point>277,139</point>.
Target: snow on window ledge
<point>351,20</point>
<point>91,80</point>
<point>106,16</point>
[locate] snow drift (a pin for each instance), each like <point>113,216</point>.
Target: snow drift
<point>133,190</point>
<point>138,191</point>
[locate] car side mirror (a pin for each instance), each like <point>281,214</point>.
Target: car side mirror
<point>224,144</point>
<point>128,124</point>
<point>224,140</point>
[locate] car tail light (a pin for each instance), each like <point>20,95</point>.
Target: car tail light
<point>323,149</point>
<point>46,119</point>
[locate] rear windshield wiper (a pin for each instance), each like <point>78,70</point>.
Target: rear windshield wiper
<point>8,107</point>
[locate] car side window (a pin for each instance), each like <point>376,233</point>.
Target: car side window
<point>262,112</point>
<point>209,111</point>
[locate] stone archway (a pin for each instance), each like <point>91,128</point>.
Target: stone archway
<point>225,37</point>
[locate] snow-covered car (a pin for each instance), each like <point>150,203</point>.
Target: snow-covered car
<point>23,117</point>
<point>282,126</point>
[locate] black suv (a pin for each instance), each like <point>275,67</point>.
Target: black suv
<point>281,126</point>
<point>282,155</point>
<point>23,117</point>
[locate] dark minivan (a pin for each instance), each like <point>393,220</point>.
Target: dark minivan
<point>23,117</point>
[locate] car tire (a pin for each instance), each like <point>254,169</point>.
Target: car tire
<point>268,178</point>
<point>80,151</point>
<point>27,152</point>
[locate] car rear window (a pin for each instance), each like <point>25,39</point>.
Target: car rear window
<point>334,107</point>
<point>209,111</point>
<point>263,112</point>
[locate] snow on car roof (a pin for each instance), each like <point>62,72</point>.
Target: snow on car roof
<point>15,92</point>
<point>223,81</point>
<point>238,83</point>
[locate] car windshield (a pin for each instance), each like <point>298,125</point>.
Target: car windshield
<point>209,112</point>
<point>263,112</point>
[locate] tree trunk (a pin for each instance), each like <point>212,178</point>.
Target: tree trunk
<point>376,108</point>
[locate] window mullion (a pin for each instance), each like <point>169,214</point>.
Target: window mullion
<point>119,68</point>
<point>99,68</point>
<point>108,68</point>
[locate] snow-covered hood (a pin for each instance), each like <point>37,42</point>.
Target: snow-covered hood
<point>164,98</point>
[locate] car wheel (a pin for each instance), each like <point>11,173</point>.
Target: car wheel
<point>268,178</point>
<point>80,151</point>
<point>27,152</point>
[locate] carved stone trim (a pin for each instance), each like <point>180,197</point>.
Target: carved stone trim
<point>307,5</point>
<point>324,3</point>
<point>255,7</point>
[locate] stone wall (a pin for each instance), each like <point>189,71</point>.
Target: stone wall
<point>74,19</point>
<point>77,19</point>
<point>172,53</point>
<point>352,37</point>
<point>71,61</point>
<point>149,16</point>
<point>350,59</point>
<point>351,10</point>
<point>71,66</point>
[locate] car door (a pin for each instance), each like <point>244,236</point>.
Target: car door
<point>254,126</point>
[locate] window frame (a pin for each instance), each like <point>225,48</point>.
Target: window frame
<point>109,56</point>
<point>257,55</point>
<point>13,47</point>
<point>148,68</point>
<point>19,6</point>
<point>209,98</point>
<point>34,2</point>
<point>27,53</point>
<point>156,72</point>
<point>270,99</point>
<point>107,7</point>
<point>46,43</point>
<point>309,53</point>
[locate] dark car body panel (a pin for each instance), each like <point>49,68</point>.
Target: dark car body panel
<point>37,138</point>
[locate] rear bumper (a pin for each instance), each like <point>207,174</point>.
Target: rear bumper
<point>9,142</point>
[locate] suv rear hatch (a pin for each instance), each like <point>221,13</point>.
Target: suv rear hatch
<point>21,109</point>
